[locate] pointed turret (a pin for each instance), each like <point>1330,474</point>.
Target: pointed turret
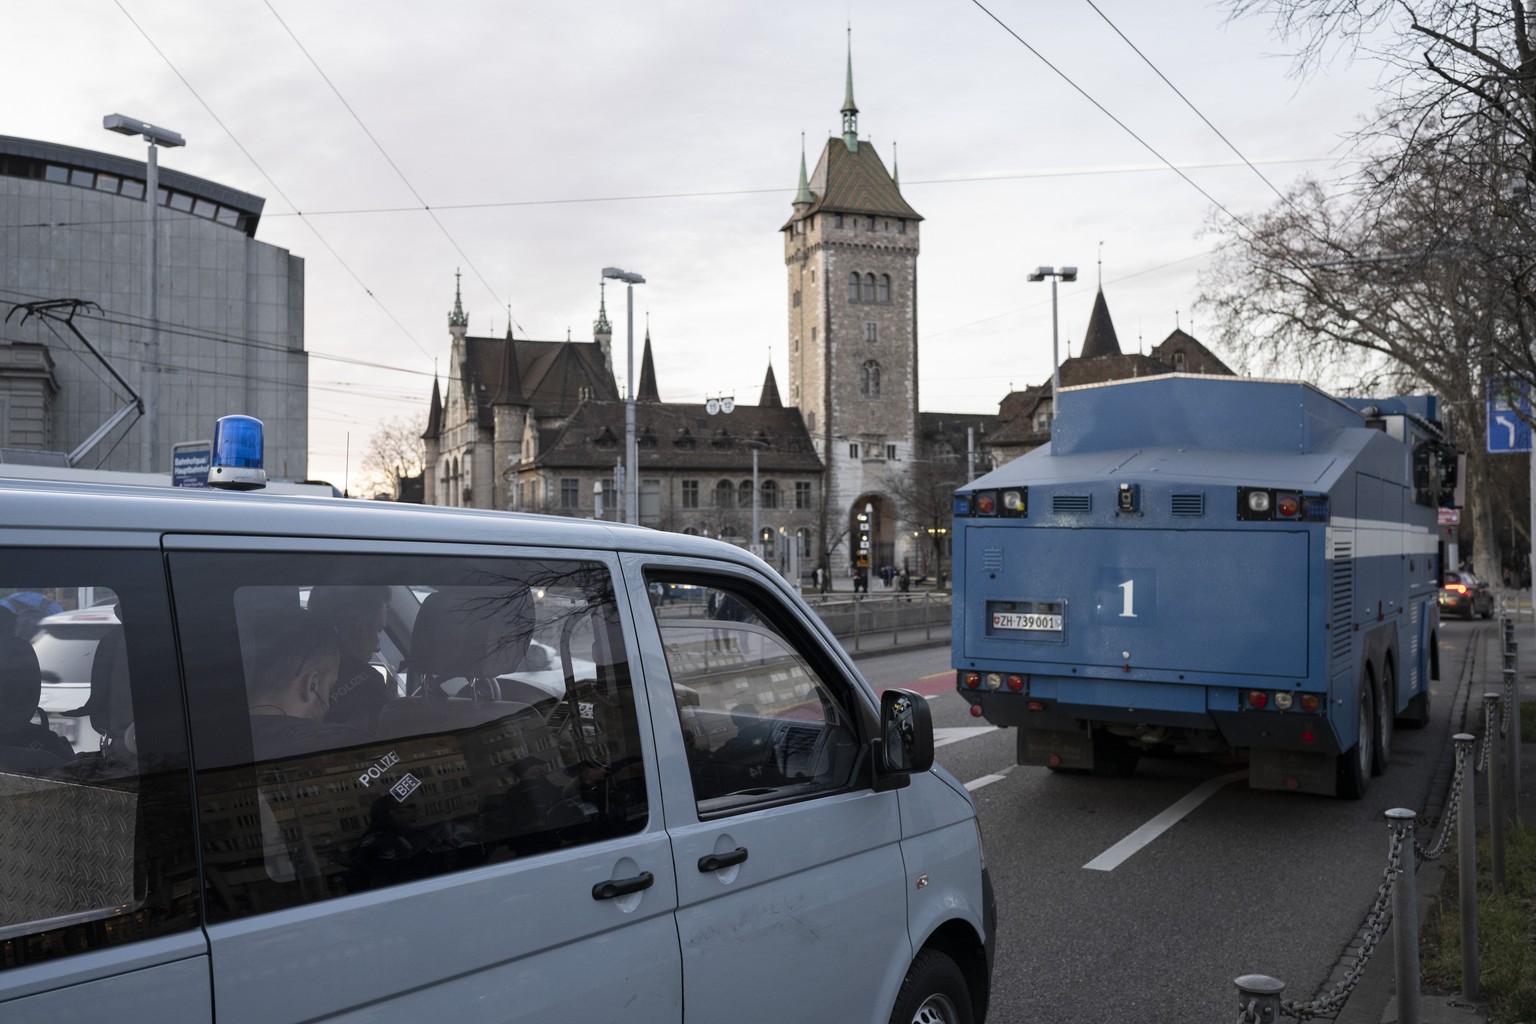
<point>850,109</point>
<point>457,317</point>
<point>1100,340</point>
<point>511,390</point>
<point>646,391</point>
<point>804,197</point>
<point>602,330</point>
<point>434,415</point>
<point>770,397</point>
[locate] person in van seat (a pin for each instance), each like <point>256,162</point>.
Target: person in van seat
<point>21,689</point>
<point>356,614</point>
<point>296,657</point>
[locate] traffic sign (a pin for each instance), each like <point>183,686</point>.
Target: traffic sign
<point>1509,413</point>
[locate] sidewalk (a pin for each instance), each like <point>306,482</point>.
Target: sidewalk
<point>1378,985</point>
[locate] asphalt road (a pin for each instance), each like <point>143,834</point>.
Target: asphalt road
<point>1098,920</point>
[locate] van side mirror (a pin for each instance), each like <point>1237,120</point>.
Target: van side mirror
<point>906,738</point>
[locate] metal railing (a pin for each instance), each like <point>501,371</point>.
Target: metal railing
<point>884,619</point>
<point>1396,901</point>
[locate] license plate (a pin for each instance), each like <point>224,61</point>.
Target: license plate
<point>1033,622</point>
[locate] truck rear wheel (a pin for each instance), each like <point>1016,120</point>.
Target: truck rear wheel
<point>1386,704</point>
<point>1354,764</point>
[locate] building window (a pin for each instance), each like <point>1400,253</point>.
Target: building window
<point>890,452</point>
<point>813,335</point>
<point>871,331</point>
<point>869,223</point>
<point>901,226</point>
<point>853,450</point>
<point>883,289</point>
<point>690,494</point>
<point>725,494</point>
<point>744,494</point>
<point>869,287</point>
<point>853,287</point>
<point>796,300</point>
<point>837,220</point>
<point>803,541</point>
<point>770,494</point>
<point>570,492</point>
<point>766,538</point>
<point>802,494</point>
<point>1178,362</point>
<point>869,380</point>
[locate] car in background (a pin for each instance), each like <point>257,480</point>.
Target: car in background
<point>1464,594</point>
<point>65,644</point>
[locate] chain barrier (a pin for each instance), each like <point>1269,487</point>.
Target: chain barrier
<point>1249,1014</point>
<point>1452,810</point>
<point>1482,757</point>
<point>1376,923</point>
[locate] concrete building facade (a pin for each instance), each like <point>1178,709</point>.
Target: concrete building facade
<point>230,311</point>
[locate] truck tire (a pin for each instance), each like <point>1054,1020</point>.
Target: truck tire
<point>1354,764</point>
<point>1386,703</point>
<point>933,992</point>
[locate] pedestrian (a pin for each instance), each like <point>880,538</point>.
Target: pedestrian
<point>904,582</point>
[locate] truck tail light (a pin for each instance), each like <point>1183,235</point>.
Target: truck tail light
<point>1283,700</point>
<point>994,681</point>
<point>971,679</point>
<point>1309,702</point>
<point>1258,699</point>
<point>1016,683</point>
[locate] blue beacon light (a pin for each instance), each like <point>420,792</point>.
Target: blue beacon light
<point>237,454</point>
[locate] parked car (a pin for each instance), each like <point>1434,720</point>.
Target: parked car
<point>1466,595</point>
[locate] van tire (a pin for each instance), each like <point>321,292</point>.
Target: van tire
<point>933,992</point>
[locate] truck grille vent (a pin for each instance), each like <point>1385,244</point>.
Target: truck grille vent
<point>1188,505</point>
<point>992,559</point>
<point>1342,612</point>
<point>1072,503</point>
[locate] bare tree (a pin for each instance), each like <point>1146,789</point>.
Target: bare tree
<point>924,499</point>
<point>394,450</point>
<point>1419,273</point>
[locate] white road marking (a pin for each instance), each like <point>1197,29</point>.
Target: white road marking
<point>1127,847</point>
<point>944,737</point>
<point>985,780</point>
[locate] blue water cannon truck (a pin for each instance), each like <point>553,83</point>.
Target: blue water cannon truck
<point>1219,565</point>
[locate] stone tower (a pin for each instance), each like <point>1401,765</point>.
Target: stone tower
<point>850,248</point>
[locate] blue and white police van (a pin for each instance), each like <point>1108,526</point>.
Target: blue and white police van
<point>1215,564</point>
<point>357,761</point>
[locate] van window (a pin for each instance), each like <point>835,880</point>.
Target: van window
<point>762,721</point>
<point>95,804</point>
<point>364,721</point>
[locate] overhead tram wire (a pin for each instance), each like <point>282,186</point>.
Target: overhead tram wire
<point>1105,111</point>
<point>1158,71</point>
<point>278,189</point>
<point>385,154</point>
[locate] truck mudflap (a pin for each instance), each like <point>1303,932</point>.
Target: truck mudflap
<point>1294,771</point>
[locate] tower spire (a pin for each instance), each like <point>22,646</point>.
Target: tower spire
<point>803,195</point>
<point>602,326</point>
<point>850,109</point>
<point>458,318</point>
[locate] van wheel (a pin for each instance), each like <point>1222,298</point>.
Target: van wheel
<point>933,992</point>
<point>1354,765</point>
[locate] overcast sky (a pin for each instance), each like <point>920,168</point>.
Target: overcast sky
<point>554,138</point>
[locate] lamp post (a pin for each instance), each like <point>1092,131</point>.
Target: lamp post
<point>150,384</point>
<point>757,536</point>
<point>631,477</point>
<point>1055,274</point>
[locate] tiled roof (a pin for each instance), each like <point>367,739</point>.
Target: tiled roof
<point>678,437</point>
<point>1100,341</point>
<point>856,183</point>
<point>555,376</point>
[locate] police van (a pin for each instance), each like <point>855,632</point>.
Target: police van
<point>340,760</point>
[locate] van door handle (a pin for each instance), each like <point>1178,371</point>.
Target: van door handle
<point>716,861</point>
<point>622,886</point>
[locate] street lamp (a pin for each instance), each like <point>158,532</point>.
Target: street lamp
<point>631,480</point>
<point>757,537</point>
<point>1055,274</point>
<point>155,136</point>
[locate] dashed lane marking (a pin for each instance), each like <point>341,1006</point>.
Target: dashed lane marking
<point>1131,844</point>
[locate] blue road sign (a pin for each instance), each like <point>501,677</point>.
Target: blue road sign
<point>1509,411</point>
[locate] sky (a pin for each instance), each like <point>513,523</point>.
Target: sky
<point>531,143</point>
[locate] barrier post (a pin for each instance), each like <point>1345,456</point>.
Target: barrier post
<point>1258,999</point>
<point>895,623</point>
<point>1466,857</point>
<point>927,616</point>
<point>1512,717</point>
<point>856,605</point>
<point>1405,917</point>
<point>1495,787</point>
